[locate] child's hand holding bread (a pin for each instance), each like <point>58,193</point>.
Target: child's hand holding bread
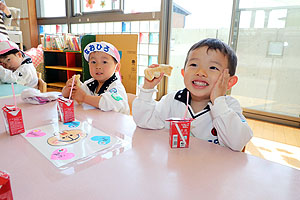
<point>154,73</point>
<point>66,90</point>
<point>77,82</point>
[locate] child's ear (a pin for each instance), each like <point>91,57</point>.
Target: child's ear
<point>118,67</point>
<point>232,81</point>
<point>19,54</point>
<point>182,72</point>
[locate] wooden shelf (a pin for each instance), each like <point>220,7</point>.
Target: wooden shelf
<point>57,84</point>
<point>60,66</point>
<point>77,69</point>
<point>53,50</point>
<point>53,89</point>
<point>62,51</point>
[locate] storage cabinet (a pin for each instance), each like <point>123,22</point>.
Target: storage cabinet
<point>61,66</point>
<point>127,47</point>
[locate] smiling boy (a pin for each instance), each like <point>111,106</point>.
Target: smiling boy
<point>208,74</point>
<point>104,90</point>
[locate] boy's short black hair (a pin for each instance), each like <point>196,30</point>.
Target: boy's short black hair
<point>13,51</point>
<point>217,44</point>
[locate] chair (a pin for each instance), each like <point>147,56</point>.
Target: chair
<point>42,85</point>
<point>130,97</point>
<point>244,149</point>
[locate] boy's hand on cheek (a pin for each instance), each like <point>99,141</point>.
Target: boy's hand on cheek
<point>220,87</point>
<point>151,84</point>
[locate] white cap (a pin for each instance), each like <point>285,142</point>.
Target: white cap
<point>103,47</point>
<point>6,46</point>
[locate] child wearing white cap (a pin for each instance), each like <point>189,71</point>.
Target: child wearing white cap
<point>15,67</point>
<point>104,90</point>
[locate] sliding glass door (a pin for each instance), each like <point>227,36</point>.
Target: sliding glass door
<point>268,46</point>
<point>193,21</point>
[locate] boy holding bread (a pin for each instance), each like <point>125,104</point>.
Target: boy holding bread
<point>104,90</point>
<point>208,74</point>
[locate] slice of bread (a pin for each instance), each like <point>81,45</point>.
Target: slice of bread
<point>151,73</point>
<point>77,82</point>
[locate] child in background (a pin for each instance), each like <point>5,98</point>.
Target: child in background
<point>208,73</point>
<point>5,12</point>
<point>104,90</point>
<point>15,67</point>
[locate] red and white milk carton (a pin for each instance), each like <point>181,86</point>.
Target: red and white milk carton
<point>179,132</point>
<point>65,109</point>
<point>5,189</point>
<point>13,119</point>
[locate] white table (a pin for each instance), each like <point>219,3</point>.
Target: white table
<point>149,170</point>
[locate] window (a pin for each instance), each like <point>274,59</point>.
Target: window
<point>192,22</point>
<point>268,68</point>
<point>86,6</point>
<point>51,8</point>
<point>53,29</point>
<point>245,19</point>
<point>259,19</point>
<point>109,17</point>
<point>277,18</point>
<point>148,42</point>
<point>138,6</point>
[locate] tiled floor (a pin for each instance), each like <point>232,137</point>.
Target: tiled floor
<point>275,142</point>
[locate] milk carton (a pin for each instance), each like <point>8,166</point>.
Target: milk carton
<point>179,132</point>
<point>5,189</point>
<point>65,109</point>
<point>13,119</point>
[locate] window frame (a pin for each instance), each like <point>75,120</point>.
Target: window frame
<point>163,16</point>
<point>38,11</point>
<point>165,19</point>
<point>120,10</point>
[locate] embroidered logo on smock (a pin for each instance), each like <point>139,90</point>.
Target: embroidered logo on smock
<point>114,94</point>
<point>215,141</point>
<point>114,90</point>
<point>116,97</point>
<point>214,132</point>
